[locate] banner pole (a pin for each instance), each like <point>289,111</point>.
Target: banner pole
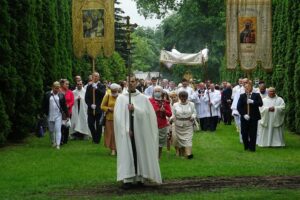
<point>94,98</point>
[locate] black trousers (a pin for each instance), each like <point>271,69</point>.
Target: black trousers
<point>212,123</point>
<point>227,116</point>
<point>64,134</point>
<point>95,127</point>
<point>203,123</point>
<point>249,133</point>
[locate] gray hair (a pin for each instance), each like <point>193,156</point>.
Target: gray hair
<point>158,87</point>
<point>114,86</point>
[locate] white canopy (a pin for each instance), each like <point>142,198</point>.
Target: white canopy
<point>175,57</point>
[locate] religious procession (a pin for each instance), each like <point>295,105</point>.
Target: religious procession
<point>150,99</point>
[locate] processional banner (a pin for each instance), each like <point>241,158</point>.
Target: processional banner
<point>93,27</point>
<point>249,34</point>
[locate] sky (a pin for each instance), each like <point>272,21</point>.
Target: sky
<point>129,7</point>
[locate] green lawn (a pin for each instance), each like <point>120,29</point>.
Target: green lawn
<point>34,169</point>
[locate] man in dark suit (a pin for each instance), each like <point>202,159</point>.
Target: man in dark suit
<point>93,98</point>
<point>248,107</point>
<point>226,104</point>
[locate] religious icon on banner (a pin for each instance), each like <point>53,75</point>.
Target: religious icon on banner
<point>93,27</point>
<point>93,23</point>
<point>249,34</point>
<point>247,29</point>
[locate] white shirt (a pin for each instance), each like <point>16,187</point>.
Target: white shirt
<point>149,90</point>
<point>54,111</point>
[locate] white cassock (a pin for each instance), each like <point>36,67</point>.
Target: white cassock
<point>189,90</point>
<point>237,89</point>
<point>259,126</point>
<point>145,135</point>
<point>79,119</point>
<point>271,123</point>
<point>215,98</point>
<point>201,106</point>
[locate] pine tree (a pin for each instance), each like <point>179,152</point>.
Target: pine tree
<point>28,68</point>
<point>48,41</point>
<point>6,72</point>
<point>64,30</point>
<point>296,16</point>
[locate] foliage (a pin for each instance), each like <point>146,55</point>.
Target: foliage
<point>107,68</point>
<point>145,55</point>
<point>47,172</point>
<point>158,7</point>
<point>8,74</point>
<point>35,50</point>
<point>197,24</point>
<point>4,123</point>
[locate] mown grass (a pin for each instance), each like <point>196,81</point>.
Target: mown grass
<point>34,170</point>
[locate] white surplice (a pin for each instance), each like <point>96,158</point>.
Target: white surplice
<point>79,119</point>
<point>145,135</point>
<point>271,123</point>
<point>215,98</point>
<point>202,107</point>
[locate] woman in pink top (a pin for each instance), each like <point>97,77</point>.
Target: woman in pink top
<point>69,96</point>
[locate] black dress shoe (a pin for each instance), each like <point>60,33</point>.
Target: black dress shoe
<point>190,156</point>
<point>127,186</point>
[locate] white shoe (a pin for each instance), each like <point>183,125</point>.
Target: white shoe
<point>57,147</point>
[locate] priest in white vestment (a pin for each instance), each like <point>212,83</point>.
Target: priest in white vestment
<point>263,94</point>
<point>79,112</point>
<point>213,98</point>
<point>272,119</point>
<point>137,157</point>
<point>202,107</point>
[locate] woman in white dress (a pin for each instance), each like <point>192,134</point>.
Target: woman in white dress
<point>184,114</point>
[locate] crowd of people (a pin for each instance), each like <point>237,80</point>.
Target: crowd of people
<point>140,118</point>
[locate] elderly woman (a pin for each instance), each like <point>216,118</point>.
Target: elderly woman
<point>184,114</point>
<point>107,106</point>
<point>163,110</point>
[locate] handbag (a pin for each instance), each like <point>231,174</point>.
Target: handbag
<point>102,119</point>
<point>41,126</point>
<point>103,116</point>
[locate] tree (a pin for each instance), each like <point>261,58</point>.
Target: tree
<point>6,71</point>
<point>145,55</point>
<point>195,25</point>
<point>29,70</point>
<point>158,7</point>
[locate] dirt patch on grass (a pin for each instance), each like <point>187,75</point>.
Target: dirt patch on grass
<point>190,185</point>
